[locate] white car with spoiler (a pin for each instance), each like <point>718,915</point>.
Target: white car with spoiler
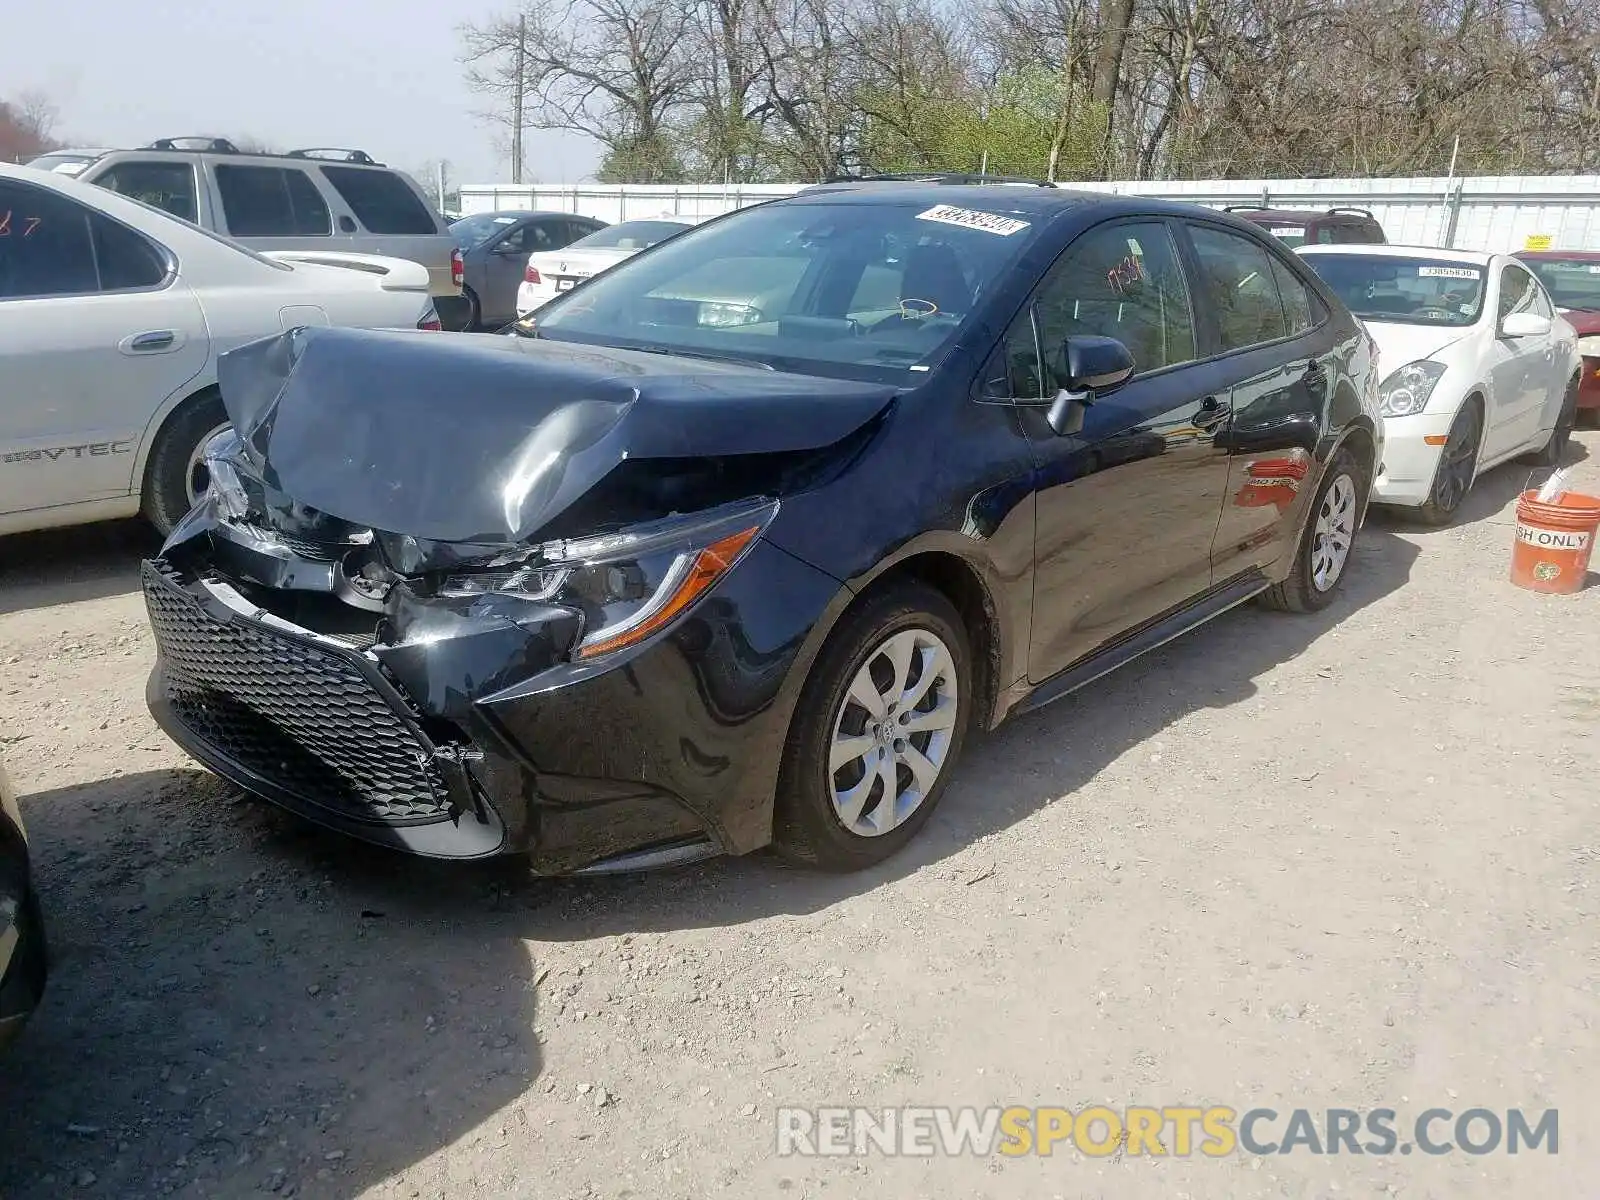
<point>112,317</point>
<point>551,272</point>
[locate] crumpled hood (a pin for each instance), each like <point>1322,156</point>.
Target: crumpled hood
<point>472,438</point>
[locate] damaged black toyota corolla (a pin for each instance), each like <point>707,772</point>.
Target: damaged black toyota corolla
<point>735,543</point>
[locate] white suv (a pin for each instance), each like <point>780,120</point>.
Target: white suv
<point>312,199</point>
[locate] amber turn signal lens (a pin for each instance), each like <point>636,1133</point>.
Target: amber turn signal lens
<point>709,565</point>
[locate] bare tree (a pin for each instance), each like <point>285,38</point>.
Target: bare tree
<point>27,126</point>
<point>616,70</point>
<point>804,89</point>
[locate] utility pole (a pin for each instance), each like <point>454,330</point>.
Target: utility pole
<point>516,102</point>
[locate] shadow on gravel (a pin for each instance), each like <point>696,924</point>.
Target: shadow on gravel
<point>1002,779</point>
<point>241,1004</point>
<point>62,566</point>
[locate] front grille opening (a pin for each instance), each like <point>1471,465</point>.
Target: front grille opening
<point>307,718</point>
<point>320,612</point>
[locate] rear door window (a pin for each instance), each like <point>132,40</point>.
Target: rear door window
<point>271,202</point>
<point>381,200</point>
<point>51,246</point>
<point>1300,307</point>
<point>1238,286</point>
<point>168,186</point>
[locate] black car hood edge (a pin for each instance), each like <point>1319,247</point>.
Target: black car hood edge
<point>474,438</point>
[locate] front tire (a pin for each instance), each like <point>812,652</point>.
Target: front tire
<point>879,726</point>
<point>1458,467</point>
<point>1322,559</point>
<point>175,478</point>
<point>474,311</point>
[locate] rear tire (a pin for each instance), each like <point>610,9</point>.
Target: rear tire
<point>903,650</point>
<point>474,311</point>
<point>1322,559</point>
<point>1552,452</point>
<point>174,479</point>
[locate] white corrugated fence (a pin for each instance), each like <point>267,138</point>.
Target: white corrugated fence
<point>1491,212</point>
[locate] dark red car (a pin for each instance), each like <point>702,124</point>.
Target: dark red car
<point>1572,277</point>
<point>1298,227</point>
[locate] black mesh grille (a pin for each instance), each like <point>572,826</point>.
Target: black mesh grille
<point>304,717</point>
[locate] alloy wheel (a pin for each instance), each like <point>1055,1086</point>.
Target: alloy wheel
<point>893,732</point>
<point>1457,463</point>
<point>1333,534</point>
<point>197,478</point>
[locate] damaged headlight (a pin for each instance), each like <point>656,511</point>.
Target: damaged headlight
<point>628,585</point>
<point>222,481</point>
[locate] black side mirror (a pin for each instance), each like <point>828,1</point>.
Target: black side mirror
<point>1086,368</point>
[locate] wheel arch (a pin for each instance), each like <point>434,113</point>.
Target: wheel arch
<point>162,420</point>
<point>966,584</point>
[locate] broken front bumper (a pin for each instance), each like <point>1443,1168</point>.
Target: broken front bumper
<point>466,734</point>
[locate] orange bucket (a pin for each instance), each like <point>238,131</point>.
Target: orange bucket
<point>1551,553</point>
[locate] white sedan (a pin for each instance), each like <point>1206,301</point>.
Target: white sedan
<point>1478,366</point>
<point>551,272</point>
<point>112,318</point>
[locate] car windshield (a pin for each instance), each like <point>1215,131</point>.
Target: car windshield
<point>630,235</point>
<point>1409,291</point>
<point>474,231</point>
<point>62,164</point>
<point>859,291</point>
<point>1572,283</point>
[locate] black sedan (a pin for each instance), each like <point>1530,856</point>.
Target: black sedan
<point>666,574</point>
<point>22,950</point>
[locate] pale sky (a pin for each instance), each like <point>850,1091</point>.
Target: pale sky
<point>379,75</point>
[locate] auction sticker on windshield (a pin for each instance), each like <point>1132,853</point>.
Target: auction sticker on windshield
<point>1446,273</point>
<point>1287,231</point>
<point>967,218</point>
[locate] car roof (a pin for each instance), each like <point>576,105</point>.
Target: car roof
<point>1559,255</point>
<point>983,195</point>
<point>226,151</point>
<point>520,213</point>
<point>1038,202</point>
<point>1476,258</point>
<point>1251,212</point>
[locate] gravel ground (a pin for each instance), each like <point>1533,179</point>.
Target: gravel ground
<point>1336,861</point>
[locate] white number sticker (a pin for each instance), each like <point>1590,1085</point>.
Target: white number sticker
<point>949,214</point>
<point>1446,273</point>
<point>1287,231</point>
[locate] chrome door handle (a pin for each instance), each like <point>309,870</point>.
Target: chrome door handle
<point>146,343</point>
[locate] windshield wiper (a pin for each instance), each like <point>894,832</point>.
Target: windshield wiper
<point>897,354</point>
<point>708,355</point>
